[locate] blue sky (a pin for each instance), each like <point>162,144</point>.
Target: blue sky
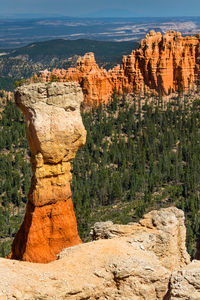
<point>135,8</point>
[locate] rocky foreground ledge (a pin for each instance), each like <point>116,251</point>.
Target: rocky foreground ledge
<point>141,261</point>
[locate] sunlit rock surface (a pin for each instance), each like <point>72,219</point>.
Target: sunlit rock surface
<point>139,261</point>
<point>161,65</point>
<point>55,132</point>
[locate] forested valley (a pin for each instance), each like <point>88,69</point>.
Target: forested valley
<point>141,154</point>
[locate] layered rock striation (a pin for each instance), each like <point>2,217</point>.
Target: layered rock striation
<point>162,64</point>
<point>139,261</point>
<point>55,132</point>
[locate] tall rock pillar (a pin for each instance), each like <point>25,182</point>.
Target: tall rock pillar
<point>55,132</point>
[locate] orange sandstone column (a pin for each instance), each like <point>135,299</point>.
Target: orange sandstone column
<point>55,132</point>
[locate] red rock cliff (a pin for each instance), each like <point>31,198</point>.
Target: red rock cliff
<point>161,64</point>
<point>55,132</point>
<point>96,83</point>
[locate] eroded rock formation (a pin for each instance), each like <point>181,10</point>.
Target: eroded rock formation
<point>162,232</point>
<point>185,283</point>
<point>162,64</point>
<point>140,261</point>
<point>55,132</point>
<point>96,84</point>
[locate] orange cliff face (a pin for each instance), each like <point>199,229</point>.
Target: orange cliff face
<point>55,132</point>
<point>162,64</point>
<point>95,82</point>
<point>168,62</point>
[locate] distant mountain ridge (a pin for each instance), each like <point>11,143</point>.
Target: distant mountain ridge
<point>23,31</point>
<point>60,53</point>
<point>63,48</point>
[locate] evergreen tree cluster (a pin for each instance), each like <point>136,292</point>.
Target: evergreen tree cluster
<point>15,172</point>
<point>7,83</point>
<point>139,155</point>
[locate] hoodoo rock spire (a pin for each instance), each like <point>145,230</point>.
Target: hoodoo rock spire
<point>55,132</point>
